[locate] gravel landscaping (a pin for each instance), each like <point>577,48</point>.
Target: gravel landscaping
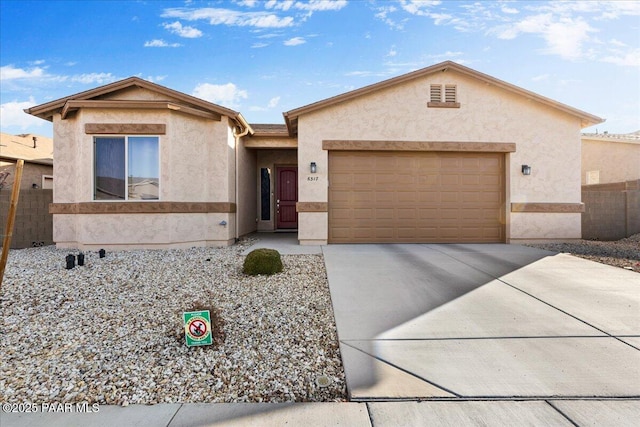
<point>111,331</point>
<point>623,253</point>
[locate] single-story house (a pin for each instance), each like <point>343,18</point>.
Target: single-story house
<point>37,153</point>
<point>610,158</point>
<point>441,154</point>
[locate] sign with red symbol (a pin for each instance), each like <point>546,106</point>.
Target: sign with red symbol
<point>197,328</point>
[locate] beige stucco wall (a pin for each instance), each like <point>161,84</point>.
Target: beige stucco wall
<point>196,165</point>
<point>610,160</point>
<point>122,231</point>
<point>546,139</point>
<point>247,175</point>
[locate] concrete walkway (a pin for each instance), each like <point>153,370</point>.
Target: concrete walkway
<point>449,335</point>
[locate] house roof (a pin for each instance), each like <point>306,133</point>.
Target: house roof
<point>263,129</point>
<point>629,138</point>
<point>95,98</point>
<point>291,117</point>
<point>14,147</point>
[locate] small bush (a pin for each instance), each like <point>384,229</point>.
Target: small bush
<point>262,261</point>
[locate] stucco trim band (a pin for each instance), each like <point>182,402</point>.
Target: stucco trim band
<point>141,207</point>
<point>487,147</point>
<point>443,104</point>
<point>548,207</point>
<point>125,128</point>
<point>312,207</point>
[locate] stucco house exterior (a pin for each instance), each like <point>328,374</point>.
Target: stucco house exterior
<point>37,153</point>
<point>609,158</point>
<point>442,154</point>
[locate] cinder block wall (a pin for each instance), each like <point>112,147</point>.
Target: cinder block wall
<point>34,223</point>
<point>612,211</point>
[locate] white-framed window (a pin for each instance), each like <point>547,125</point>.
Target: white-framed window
<point>47,182</point>
<point>126,167</point>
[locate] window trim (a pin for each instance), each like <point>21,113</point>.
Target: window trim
<point>126,163</point>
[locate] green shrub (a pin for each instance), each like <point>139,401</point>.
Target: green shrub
<point>262,261</point>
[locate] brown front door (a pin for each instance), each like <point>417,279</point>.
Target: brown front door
<point>287,196</point>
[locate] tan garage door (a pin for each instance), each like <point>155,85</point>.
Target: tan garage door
<point>444,197</point>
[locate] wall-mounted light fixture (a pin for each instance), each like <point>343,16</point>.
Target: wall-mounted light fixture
<point>526,170</point>
<point>313,167</point>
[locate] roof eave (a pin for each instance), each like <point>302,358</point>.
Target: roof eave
<point>291,117</point>
<point>48,110</point>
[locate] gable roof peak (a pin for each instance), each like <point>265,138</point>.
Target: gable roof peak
<point>47,110</point>
<point>291,117</point>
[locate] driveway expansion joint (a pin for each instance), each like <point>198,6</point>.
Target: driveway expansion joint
<point>402,370</point>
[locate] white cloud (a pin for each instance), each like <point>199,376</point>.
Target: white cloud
<point>279,5</point>
<point>392,51</point>
<point>93,78</point>
<point>418,7</point>
<point>227,95</point>
<point>617,43</point>
<point>160,43</point>
<point>183,31</point>
<point>564,36</point>
<point>626,59</point>
<point>320,5</point>
<point>9,72</point>
<point>153,79</point>
<point>509,10</point>
<point>248,3</point>
<point>294,41</point>
<point>216,16</point>
<point>383,15</point>
<point>259,45</point>
<point>273,102</point>
<point>13,115</point>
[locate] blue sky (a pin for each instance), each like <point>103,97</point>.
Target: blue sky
<point>265,57</point>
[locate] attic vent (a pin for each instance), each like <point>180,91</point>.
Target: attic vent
<point>450,93</point>
<point>450,96</point>
<point>436,93</point>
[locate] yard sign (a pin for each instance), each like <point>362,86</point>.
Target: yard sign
<point>197,328</point>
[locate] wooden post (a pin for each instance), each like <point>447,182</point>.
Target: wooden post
<point>8,233</point>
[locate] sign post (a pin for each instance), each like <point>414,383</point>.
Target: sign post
<point>197,328</point>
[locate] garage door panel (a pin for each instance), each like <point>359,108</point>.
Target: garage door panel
<point>428,197</point>
<point>416,197</point>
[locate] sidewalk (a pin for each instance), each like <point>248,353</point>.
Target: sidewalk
<point>618,413</point>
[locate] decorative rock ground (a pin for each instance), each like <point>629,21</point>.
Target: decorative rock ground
<point>110,332</point>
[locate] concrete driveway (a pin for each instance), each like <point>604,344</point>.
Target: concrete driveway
<point>480,322</point>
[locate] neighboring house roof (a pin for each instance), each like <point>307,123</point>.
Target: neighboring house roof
<point>262,129</point>
<point>629,138</point>
<point>95,98</point>
<point>14,147</point>
<point>291,117</point>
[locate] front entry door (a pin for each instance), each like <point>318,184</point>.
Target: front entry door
<point>287,196</point>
